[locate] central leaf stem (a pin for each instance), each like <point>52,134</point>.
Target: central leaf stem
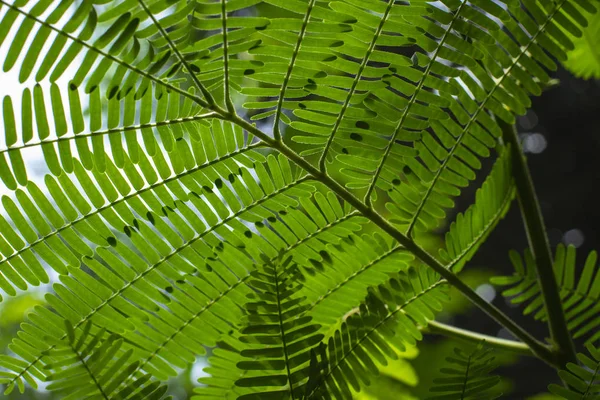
<point>537,347</point>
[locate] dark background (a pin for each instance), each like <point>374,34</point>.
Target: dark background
<point>566,175</point>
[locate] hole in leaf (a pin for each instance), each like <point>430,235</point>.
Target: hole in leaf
<point>249,72</point>
<point>272,219</point>
<point>356,136</point>
<point>317,264</point>
<point>150,217</point>
<point>112,92</point>
<point>362,125</point>
<point>326,257</point>
<point>219,183</point>
<point>112,241</point>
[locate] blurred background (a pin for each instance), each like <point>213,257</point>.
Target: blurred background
<point>561,135</point>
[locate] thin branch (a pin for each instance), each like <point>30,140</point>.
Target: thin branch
<point>228,103</point>
<point>361,68</point>
<point>412,101</point>
<point>209,98</point>
<point>111,131</point>
<point>288,74</point>
<point>90,373</point>
<point>540,248</point>
<point>469,336</point>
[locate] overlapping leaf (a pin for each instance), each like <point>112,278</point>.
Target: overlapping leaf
<point>88,366</point>
<point>390,316</point>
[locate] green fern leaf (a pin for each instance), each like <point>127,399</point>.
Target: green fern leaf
<point>91,365</point>
<point>583,379</point>
<point>584,59</point>
<point>390,316</point>
<point>276,337</point>
<point>580,297</point>
<point>471,229</point>
<point>467,376</point>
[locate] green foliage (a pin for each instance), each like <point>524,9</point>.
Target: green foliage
<point>470,229</point>
<point>467,376</point>
<point>584,380</point>
<point>276,337</point>
<point>254,177</point>
<point>580,297</point>
<point>584,59</point>
<point>93,366</point>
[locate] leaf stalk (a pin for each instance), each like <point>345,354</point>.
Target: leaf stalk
<point>563,345</point>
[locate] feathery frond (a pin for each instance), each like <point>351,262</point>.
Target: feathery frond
<point>90,366</point>
<point>167,214</point>
<point>584,59</point>
<point>583,380</point>
<point>467,377</point>
<point>472,228</point>
<point>390,316</point>
<point>276,337</point>
<point>580,297</point>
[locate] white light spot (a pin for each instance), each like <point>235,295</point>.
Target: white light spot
<point>197,370</point>
<point>486,292</point>
<point>534,143</point>
<point>574,237</point>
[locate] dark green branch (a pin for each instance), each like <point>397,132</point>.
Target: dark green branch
<point>540,248</point>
